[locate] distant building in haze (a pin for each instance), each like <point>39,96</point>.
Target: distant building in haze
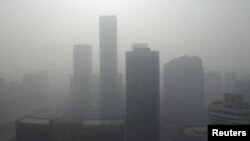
<point>81,80</point>
<point>110,105</point>
<point>213,89</point>
<point>35,87</point>
<point>184,90</point>
<point>243,87</point>
<point>142,82</point>
<point>229,82</point>
<point>33,129</point>
<point>231,111</point>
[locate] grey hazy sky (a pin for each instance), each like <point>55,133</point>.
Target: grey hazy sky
<point>39,34</point>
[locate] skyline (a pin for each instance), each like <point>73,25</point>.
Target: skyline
<point>37,37</point>
<point>156,102</point>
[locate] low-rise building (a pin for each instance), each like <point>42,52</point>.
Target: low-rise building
<point>232,110</point>
<point>67,129</point>
<point>33,129</point>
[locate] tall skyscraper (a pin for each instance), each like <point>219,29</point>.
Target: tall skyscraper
<point>142,81</point>
<point>81,81</point>
<point>184,90</point>
<point>108,67</point>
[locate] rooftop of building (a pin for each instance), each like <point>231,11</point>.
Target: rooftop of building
<point>140,46</point>
<point>102,122</point>
<point>107,17</point>
<point>221,104</point>
<point>32,120</point>
<point>185,59</point>
<point>81,46</point>
<point>232,101</point>
<point>83,123</point>
<point>66,120</point>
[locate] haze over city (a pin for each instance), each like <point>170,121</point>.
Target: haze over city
<point>123,70</point>
<point>39,35</point>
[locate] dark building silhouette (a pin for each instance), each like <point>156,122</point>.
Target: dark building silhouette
<point>33,129</point>
<point>102,130</point>
<point>108,67</point>
<point>121,93</point>
<point>69,129</point>
<point>213,87</point>
<point>66,129</point>
<point>81,81</point>
<point>142,82</point>
<point>184,90</point>
<point>96,89</point>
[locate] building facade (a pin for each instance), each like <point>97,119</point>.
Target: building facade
<point>229,82</point>
<point>108,67</point>
<point>69,129</point>
<point>184,90</point>
<point>213,87</point>
<point>33,129</point>
<point>142,82</point>
<point>81,80</point>
<point>243,87</point>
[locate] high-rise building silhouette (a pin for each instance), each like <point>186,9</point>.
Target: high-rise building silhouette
<point>108,67</point>
<point>184,90</point>
<point>121,93</point>
<point>96,88</point>
<point>142,82</point>
<point>81,80</point>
